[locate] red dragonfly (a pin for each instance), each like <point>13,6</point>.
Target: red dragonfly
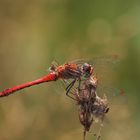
<point>75,71</point>
<point>67,71</point>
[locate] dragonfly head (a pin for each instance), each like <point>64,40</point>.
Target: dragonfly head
<point>87,69</point>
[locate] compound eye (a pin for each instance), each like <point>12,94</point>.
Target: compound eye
<point>86,67</point>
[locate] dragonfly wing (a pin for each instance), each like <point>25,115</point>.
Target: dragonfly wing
<point>104,71</point>
<point>99,61</point>
<point>114,95</point>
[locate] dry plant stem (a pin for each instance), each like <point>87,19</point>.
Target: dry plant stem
<point>84,135</point>
<point>99,133</point>
<point>90,105</point>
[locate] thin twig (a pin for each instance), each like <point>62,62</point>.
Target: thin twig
<point>99,132</point>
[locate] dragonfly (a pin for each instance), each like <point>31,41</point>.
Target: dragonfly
<point>73,71</point>
<point>70,73</point>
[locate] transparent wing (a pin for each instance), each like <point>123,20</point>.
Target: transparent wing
<point>99,61</point>
<point>105,69</point>
<point>114,95</point>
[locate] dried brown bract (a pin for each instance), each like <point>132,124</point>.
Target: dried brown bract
<point>90,105</point>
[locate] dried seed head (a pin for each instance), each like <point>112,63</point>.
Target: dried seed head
<point>90,106</point>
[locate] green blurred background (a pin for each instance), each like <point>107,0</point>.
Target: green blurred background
<point>33,33</point>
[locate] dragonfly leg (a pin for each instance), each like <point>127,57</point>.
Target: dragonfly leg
<point>71,84</point>
<point>69,88</point>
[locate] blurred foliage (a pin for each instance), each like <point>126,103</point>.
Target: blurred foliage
<point>33,33</point>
